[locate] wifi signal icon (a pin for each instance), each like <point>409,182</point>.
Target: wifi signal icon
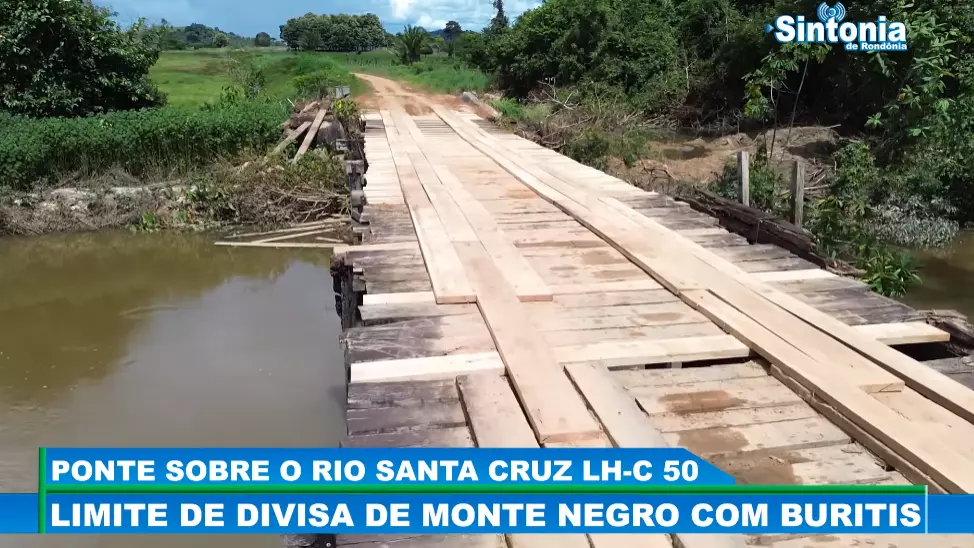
<point>836,12</point>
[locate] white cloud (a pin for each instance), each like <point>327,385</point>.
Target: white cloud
<point>426,21</point>
<point>433,14</point>
<point>400,8</point>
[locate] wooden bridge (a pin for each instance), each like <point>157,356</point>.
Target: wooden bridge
<point>503,295</point>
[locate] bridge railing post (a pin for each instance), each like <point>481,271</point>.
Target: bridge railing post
<point>798,193</point>
<point>743,171</point>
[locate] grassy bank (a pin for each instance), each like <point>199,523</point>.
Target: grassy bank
<point>195,161</point>
<point>437,72</point>
<point>220,103</point>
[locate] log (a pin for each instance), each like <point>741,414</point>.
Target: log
<point>956,324</point>
<point>761,227</point>
<point>330,132</point>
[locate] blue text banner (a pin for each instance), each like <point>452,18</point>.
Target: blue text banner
<point>450,514</point>
<point>107,467</point>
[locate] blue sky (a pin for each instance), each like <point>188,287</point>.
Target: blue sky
<point>248,17</point>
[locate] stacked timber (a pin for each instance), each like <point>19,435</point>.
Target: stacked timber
<point>315,124</point>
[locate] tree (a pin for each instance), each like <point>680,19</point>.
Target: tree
<point>339,32</point>
<point>220,40</point>
<point>499,22</point>
<point>262,40</point>
<point>409,44</point>
<point>310,41</point>
<point>70,58</point>
<point>451,31</point>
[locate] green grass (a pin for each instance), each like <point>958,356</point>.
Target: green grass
<point>191,78</point>
<point>436,72</point>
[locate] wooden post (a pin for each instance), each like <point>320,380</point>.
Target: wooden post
<point>798,193</point>
<point>743,172</point>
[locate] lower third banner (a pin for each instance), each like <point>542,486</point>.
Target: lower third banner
<point>483,513</point>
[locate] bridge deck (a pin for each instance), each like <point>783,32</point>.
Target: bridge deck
<point>491,316</point>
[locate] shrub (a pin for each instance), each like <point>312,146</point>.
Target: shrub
<point>37,152</point>
<point>69,58</point>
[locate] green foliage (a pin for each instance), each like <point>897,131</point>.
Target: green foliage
<point>452,31</point>
<point>62,58</point>
<point>340,32</point>
<point>766,185</point>
<point>220,40</point>
<point>262,40</point>
<point>195,36</point>
<point>37,152</point>
<point>410,43</point>
<point>437,73</point>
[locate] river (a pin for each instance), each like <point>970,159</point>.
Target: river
<point>948,277</point>
<point>117,339</point>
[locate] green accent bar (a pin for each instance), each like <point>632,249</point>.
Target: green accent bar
<point>460,489</point>
<point>41,490</point>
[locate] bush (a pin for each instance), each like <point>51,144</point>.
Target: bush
<point>37,152</point>
<point>69,58</point>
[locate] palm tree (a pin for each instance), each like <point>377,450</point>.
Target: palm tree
<point>409,44</point>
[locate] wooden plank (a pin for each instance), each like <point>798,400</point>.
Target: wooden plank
<point>399,298</point>
<point>527,284</point>
<point>847,464</point>
<point>450,284</point>
<point>687,375</point>
<point>646,284</point>
<point>624,423</point>
<point>292,236</point>
<point>437,437</point>
<point>438,367</point>
<point>401,419</point>
<point>678,422</point>
<point>496,419</point>
<point>555,411</point>
<point>281,245</point>
<point>312,133</point>
<point>903,333</point>
<point>296,228</point>
<point>937,387</point>
<point>400,394</point>
<point>291,136</point>
<point>626,540</point>
<point>724,279</point>
<point>632,334</point>
<point>936,459</point>
<point>703,397</point>
<point>627,426</point>
<point>369,248</point>
<point>763,438</point>
<point>382,313</point>
<point>618,354</point>
<point>613,298</point>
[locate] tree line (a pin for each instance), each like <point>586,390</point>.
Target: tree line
<point>196,35</point>
<point>341,32</point>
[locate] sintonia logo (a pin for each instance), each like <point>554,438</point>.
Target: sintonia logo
<point>881,35</point>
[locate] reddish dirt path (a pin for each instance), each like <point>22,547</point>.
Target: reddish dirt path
<point>409,98</point>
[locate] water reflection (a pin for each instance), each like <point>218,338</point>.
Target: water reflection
<point>117,339</point>
<point>948,277</point>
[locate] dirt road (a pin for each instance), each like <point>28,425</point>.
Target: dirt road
<point>383,89</point>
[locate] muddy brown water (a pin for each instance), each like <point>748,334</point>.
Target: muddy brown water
<point>117,339</point>
<point>948,277</point>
